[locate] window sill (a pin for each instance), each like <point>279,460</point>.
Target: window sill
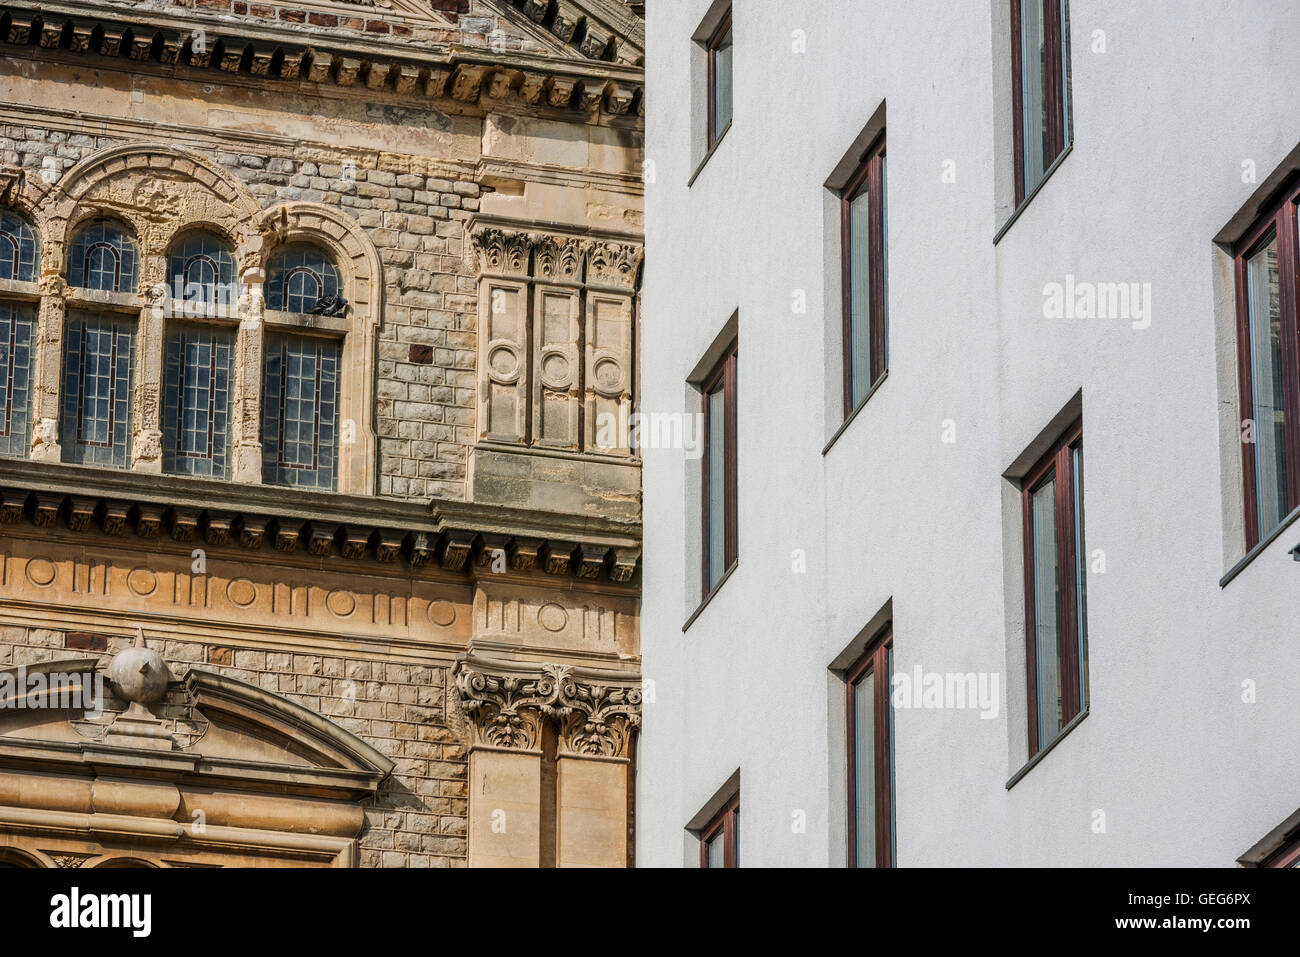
<point>708,156</point>
<point>1033,762</point>
<point>704,603</point>
<point>854,414</point>
<point>1254,553</point>
<point>1056,163</point>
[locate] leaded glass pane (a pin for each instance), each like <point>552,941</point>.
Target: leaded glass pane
<point>103,257</point>
<point>300,412</point>
<point>17,330</point>
<point>196,401</point>
<point>98,370</point>
<point>18,248</point>
<point>300,276</point>
<point>201,269</point>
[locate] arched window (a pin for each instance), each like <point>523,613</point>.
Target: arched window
<point>18,248</point>
<point>300,411</point>
<point>98,374</point>
<point>19,255</point>
<point>196,400</point>
<point>103,257</point>
<point>301,276</point>
<point>201,269</point>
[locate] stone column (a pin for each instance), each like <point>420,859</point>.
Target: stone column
<point>593,769</point>
<point>146,409</point>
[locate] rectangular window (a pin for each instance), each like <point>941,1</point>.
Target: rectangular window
<point>863,237</point>
<point>300,412</point>
<point>871,756</point>
<point>720,838</point>
<point>98,376</point>
<point>1268,320</point>
<point>196,401</point>
<point>1040,63</point>
<point>17,329</point>
<point>719,52</point>
<point>719,471</point>
<point>1055,591</point>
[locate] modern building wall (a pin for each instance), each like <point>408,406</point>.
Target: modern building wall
<point>1183,124</point>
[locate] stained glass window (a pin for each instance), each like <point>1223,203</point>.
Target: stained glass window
<point>103,257</point>
<point>98,373</point>
<point>299,277</point>
<point>196,401</point>
<point>18,248</point>
<point>300,412</point>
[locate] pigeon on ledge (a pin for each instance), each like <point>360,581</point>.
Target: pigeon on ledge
<point>330,306</point>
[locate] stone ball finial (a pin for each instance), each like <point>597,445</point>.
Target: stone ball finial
<point>139,674</point>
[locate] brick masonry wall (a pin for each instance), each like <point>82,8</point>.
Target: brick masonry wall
<point>418,818</point>
<point>425,406</point>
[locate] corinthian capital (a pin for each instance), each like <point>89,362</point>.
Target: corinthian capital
<point>595,711</point>
<point>502,252</point>
<point>506,704</point>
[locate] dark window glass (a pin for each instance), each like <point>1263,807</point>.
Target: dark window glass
<point>870,724</point>
<point>98,375</point>
<point>196,401</point>
<point>719,471</point>
<point>103,257</point>
<point>865,278</point>
<point>201,269</point>
<point>720,87</point>
<point>18,249</point>
<point>300,412</point>
<point>299,277</point>
<point>17,333</point>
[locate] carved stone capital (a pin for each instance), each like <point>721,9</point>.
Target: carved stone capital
<point>502,252</point>
<point>506,705</point>
<point>558,258</point>
<point>595,712</point>
<point>614,265</point>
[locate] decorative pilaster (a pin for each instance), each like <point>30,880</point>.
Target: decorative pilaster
<point>245,438</point>
<point>146,442</point>
<point>47,378</point>
<point>503,261</point>
<point>612,270</point>
<point>595,715</point>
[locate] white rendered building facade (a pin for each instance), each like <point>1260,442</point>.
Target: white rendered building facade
<point>1086,240</point>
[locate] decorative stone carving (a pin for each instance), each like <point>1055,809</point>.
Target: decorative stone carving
<point>613,265</point>
<point>502,252</point>
<point>558,259</point>
<point>596,713</point>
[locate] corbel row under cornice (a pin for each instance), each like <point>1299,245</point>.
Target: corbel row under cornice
<point>578,88</point>
<point>462,537</point>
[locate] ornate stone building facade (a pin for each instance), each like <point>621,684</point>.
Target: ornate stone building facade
<point>311,317</point>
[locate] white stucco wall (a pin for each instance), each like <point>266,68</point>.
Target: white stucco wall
<point>1184,771</point>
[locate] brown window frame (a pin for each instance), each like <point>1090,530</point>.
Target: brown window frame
<point>1286,856</point>
<point>727,824</point>
<point>1058,97</point>
<point>1059,462</point>
<point>1280,216</point>
<point>712,45</point>
<point>870,172</point>
<point>725,372</point>
<point>877,660</point>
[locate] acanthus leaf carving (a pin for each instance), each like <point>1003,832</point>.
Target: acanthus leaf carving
<point>595,714</point>
<point>501,251</point>
<point>613,264</point>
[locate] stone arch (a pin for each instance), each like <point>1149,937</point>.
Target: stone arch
<point>13,857</point>
<point>160,190</point>
<point>363,281</point>
<point>26,195</point>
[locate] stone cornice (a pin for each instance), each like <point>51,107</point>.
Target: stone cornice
<point>469,75</point>
<point>596,711</point>
<point>456,536</point>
